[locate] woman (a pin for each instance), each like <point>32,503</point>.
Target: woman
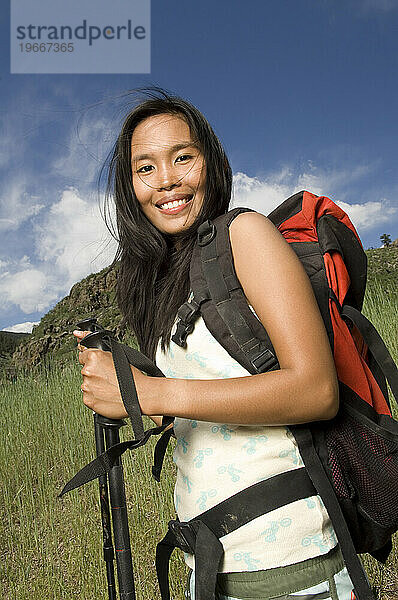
<point>168,174</point>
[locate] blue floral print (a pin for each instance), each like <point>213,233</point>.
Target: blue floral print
<point>291,453</point>
<point>316,540</point>
<point>188,483</point>
<point>183,443</point>
<point>224,430</point>
<point>199,458</point>
<point>201,360</point>
<point>270,533</point>
<point>251,563</point>
<point>252,441</point>
<point>231,470</point>
<point>310,503</point>
<point>204,495</point>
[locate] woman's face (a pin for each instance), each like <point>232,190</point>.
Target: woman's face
<point>169,172</point>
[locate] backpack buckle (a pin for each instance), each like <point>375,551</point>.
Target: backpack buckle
<point>264,361</point>
<point>181,333</point>
<point>187,311</point>
<point>206,233</point>
<point>185,535</point>
<point>185,324</point>
<point>187,314</point>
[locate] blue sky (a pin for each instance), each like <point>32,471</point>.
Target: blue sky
<point>302,93</point>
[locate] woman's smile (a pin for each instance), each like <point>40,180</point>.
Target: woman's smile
<point>174,203</point>
<point>169,173</point>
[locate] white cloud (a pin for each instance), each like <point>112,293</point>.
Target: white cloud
<point>16,206</point>
<point>322,181</point>
<point>22,327</point>
<point>72,239</point>
<point>370,214</point>
<point>262,195</point>
<point>266,194</point>
<point>30,289</point>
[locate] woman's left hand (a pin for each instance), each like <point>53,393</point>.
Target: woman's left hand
<point>100,385</point>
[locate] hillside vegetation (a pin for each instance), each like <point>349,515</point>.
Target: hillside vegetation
<point>51,341</point>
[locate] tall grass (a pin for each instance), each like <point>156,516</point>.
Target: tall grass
<point>51,548</point>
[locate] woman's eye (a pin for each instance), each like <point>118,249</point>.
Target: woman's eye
<point>144,169</point>
<point>184,157</point>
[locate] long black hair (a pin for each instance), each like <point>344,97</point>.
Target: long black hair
<point>153,276</point>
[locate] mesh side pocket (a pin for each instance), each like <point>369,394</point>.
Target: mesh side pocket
<point>363,465</point>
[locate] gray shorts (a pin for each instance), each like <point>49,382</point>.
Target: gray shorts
<point>324,577</point>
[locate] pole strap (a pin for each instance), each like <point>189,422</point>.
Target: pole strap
<point>123,356</point>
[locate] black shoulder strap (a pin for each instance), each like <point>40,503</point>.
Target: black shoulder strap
<point>322,484</point>
<point>376,346</point>
<point>219,298</point>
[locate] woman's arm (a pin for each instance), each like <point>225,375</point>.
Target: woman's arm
<point>304,389</point>
<point>276,285</point>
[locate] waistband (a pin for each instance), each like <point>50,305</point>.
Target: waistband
<point>281,580</point>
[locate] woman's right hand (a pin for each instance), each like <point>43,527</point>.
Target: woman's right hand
<point>100,386</point>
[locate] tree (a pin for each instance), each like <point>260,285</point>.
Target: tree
<point>385,240</point>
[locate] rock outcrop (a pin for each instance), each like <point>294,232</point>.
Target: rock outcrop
<point>52,338</point>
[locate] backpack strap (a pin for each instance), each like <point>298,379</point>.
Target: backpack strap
<point>325,489</point>
<point>376,346</point>
<point>123,356</point>
<point>201,536</point>
<point>219,298</point>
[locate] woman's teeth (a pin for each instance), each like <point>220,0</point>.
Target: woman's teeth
<point>175,203</point>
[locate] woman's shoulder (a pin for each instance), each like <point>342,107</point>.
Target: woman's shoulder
<point>249,222</point>
<point>254,231</point>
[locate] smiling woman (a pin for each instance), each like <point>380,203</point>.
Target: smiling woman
<point>166,152</point>
<point>168,175</point>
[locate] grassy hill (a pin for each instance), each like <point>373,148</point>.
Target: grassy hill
<point>52,340</point>
<point>9,341</point>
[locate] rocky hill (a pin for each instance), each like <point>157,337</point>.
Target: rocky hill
<point>52,340</point>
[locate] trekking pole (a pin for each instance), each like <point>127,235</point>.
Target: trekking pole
<point>106,436</point>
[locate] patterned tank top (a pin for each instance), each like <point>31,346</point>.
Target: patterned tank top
<point>216,460</point>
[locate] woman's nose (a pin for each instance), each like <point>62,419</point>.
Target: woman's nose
<point>166,178</point>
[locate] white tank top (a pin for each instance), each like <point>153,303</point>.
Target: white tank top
<point>216,460</point>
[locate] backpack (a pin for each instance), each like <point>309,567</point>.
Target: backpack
<point>351,460</point>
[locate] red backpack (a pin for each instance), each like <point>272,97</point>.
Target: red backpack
<point>351,460</point>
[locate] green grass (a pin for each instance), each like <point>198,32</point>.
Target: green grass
<point>51,548</point>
